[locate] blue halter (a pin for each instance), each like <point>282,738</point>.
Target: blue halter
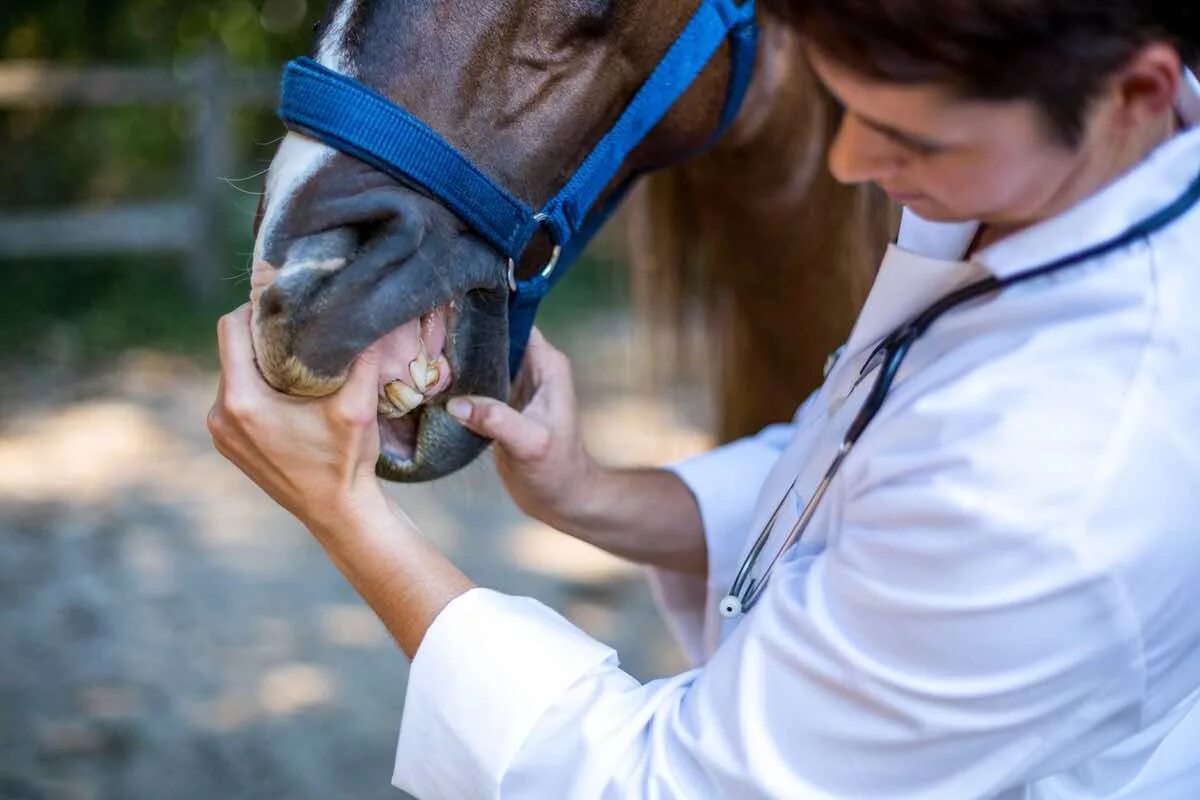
<point>352,118</point>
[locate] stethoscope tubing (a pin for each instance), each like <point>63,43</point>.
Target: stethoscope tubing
<point>746,591</point>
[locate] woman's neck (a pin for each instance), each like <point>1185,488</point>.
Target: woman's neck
<point>1098,166</point>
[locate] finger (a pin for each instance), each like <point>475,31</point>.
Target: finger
<point>524,387</point>
<point>540,355</point>
<point>533,367</point>
<point>216,412</point>
<point>519,436</point>
<point>358,397</point>
<point>537,339</point>
<point>236,349</point>
<point>550,376</point>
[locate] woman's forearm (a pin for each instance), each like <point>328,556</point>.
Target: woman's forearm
<point>403,578</point>
<point>648,516</point>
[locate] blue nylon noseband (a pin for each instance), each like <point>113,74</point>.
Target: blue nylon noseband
<point>358,121</point>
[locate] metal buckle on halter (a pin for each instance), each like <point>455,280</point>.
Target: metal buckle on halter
<point>547,271</point>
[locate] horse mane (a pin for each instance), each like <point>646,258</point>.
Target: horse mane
<point>751,262</point>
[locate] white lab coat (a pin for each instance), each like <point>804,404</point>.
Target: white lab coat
<point>997,598</point>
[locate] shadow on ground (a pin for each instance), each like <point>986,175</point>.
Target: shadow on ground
<point>166,631</point>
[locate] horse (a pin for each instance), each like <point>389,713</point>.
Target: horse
<point>757,248</point>
<point>347,257</point>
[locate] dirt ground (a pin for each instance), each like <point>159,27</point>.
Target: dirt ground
<point>167,632</point>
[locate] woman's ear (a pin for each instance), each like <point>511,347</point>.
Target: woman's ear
<point>1148,86</point>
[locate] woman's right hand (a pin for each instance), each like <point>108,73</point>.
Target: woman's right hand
<point>539,449</point>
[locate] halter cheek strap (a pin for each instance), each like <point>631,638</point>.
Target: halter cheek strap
<point>358,121</point>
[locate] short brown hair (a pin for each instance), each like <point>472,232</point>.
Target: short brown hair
<point>1057,53</point>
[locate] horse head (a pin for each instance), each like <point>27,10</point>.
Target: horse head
<point>347,257</point>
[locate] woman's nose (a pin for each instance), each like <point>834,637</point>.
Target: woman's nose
<point>859,154</point>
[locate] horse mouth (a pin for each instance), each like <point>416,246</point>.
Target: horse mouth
<point>306,338</point>
<point>460,351</point>
<point>391,272</point>
<point>406,401</point>
<point>403,441</point>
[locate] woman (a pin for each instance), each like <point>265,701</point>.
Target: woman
<point>992,599</point>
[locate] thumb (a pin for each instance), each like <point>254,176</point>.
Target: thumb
<point>519,436</point>
<point>358,395</point>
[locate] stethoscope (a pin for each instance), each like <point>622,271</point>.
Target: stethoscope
<point>889,356</point>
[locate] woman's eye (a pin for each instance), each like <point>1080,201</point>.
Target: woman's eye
<point>924,149</point>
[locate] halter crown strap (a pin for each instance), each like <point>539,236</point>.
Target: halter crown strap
<point>360,122</point>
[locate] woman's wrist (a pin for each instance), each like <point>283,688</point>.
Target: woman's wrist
<point>356,512</point>
<point>403,578</point>
<point>590,508</point>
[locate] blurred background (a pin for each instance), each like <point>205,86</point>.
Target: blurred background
<point>165,630</point>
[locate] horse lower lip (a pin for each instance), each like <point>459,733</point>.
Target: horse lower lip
<point>398,436</point>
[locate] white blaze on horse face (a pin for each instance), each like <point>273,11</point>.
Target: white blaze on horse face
<point>298,159</point>
<point>332,51</point>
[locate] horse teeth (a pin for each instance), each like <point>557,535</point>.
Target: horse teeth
<point>418,368</point>
<point>403,397</point>
<point>433,375</point>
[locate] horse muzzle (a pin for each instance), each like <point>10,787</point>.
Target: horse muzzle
<point>430,299</point>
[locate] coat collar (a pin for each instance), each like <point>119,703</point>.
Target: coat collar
<point>1139,194</point>
<point>927,260</point>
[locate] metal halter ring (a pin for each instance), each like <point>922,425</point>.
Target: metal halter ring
<point>547,271</point>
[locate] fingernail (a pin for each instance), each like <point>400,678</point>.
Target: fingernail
<point>459,408</point>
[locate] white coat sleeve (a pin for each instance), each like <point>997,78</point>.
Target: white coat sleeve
<point>951,641</point>
<point>726,483</point>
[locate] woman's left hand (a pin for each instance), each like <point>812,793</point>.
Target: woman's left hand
<point>316,458</point>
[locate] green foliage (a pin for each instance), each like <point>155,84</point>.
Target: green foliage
<point>251,32</point>
<point>89,309</point>
<point>105,307</point>
<point>595,283</point>
<point>55,156</point>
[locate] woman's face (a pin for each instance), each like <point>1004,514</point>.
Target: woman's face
<point>946,158</point>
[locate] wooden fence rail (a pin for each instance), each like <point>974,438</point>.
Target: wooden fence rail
<point>192,226</point>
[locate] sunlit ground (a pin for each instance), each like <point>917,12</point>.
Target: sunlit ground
<point>167,632</point>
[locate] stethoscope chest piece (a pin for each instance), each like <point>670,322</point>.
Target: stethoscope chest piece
<point>730,606</point>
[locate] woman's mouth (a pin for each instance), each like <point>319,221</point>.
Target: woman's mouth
<point>904,198</point>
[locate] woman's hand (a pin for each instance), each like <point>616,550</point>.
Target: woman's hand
<point>539,450</point>
<point>645,515</point>
<point>316,458</point>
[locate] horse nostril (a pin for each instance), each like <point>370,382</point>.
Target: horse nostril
<point>293,287</point>
<point>272,303</point>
